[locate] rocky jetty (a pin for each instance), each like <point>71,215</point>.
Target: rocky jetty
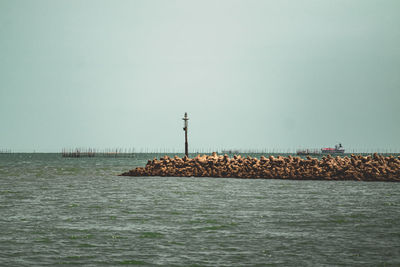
<point>356,167</point>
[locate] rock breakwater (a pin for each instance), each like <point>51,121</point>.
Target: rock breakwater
<point>355,167</point>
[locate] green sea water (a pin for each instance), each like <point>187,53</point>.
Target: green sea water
<point>77,211</point>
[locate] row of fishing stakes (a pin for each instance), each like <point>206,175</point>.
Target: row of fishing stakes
<point>185,128</point>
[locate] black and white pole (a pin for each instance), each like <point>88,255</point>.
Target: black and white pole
<point>185,128</point>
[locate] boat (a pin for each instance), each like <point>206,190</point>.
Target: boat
<point>308,152</point>
<point>230,151</point>
<point>337,150</point>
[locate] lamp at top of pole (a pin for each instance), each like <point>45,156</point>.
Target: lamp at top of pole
<point>185,121</point>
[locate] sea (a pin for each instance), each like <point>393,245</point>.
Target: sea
<point>78,211</point>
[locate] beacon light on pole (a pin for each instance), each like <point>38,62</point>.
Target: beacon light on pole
<point>185,128</point>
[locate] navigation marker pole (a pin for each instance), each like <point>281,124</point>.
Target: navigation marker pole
<point>185,128</point>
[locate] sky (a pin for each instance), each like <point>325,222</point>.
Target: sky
<point>251,74</point>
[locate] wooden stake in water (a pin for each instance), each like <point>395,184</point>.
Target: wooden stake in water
<point>185,128</point>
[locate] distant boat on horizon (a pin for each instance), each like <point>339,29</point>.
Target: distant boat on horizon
<point>308,152</point>
<point>233,151</point>
<point>338,149</point>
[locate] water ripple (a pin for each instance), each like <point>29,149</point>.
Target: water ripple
<point>57,211</point>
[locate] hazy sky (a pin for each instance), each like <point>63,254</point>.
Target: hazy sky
<point>250,74</point>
